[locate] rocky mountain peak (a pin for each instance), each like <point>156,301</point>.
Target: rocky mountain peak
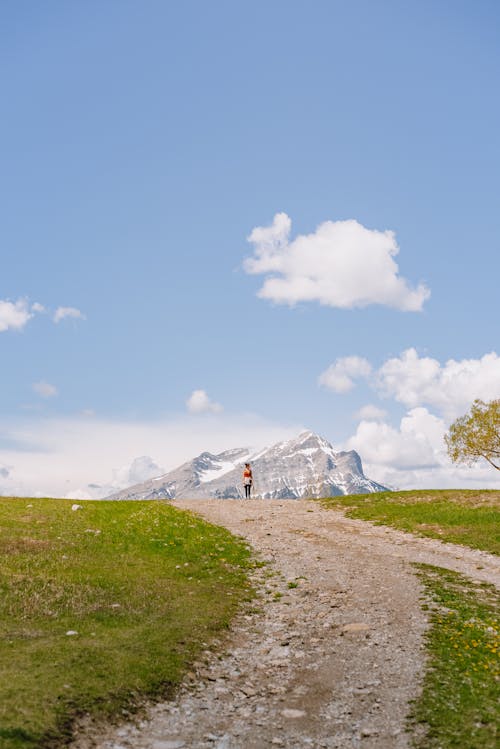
<point>305,466</point>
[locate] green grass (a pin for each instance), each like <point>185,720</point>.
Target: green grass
<point>459,706</point>
<point>471,518</point>
<point>144,585</point>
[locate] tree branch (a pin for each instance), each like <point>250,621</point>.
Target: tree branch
<point>491,462</point>
<point>489,450</point>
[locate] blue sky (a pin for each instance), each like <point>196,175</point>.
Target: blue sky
<point>142,145</point>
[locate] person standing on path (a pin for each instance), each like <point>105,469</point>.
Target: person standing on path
<point>247,480</point>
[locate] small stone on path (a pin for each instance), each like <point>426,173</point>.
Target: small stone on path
<point>355,627</point>
<point>291,712</point>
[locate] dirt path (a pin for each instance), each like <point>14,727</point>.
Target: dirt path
<point>332,662</point>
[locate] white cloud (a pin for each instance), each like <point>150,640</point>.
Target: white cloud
<point>342,264</point>
<point>63,312</point>
<point>450,388</point>
<point>88,457</point>
<point>340,375</point>
<point>414,381</point>
<point>45,389</point>
<point>141,469</point>
<point>199,403</point>
<point>370,413</point>
<point>416,444</point>
<point>8,484</point>
<point>413,455</point>
<point>14,315</point>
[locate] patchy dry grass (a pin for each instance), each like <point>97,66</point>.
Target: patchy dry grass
<point>471,518</point>
<point>142,586</point>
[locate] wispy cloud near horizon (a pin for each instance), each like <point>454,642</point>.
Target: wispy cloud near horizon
<point>199,403</point>
<point>45,389</point>
<point>48,456</point>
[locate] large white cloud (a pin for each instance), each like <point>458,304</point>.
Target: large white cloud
<point>199,403</point>
<point>342,264</point>
<point>341,375</point>
<point>450,388</point>
<point>415,444</point>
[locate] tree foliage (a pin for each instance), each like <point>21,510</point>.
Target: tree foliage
<point>476,435</point>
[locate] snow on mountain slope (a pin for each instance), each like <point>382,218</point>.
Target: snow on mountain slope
<point>306,466</point>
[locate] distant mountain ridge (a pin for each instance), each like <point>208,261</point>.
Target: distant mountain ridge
<point>306,466</point>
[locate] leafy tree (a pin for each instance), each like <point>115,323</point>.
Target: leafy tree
<point>476,435</point>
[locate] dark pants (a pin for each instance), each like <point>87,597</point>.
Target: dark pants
<point>248,488</point>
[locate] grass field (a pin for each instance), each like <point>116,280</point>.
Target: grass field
<point>471,518</point>
<point>102,606</point>
<point>460,706</point>
<point>108,604</point>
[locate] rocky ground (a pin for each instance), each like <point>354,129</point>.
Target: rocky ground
<point>332,657</point>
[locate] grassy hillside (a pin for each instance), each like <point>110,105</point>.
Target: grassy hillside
<point>104,604</point>
<point>471,518</point>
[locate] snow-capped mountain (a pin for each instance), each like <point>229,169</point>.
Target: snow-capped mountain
<point>306,466</point>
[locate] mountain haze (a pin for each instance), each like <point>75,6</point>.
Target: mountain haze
<point>306,466</point>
